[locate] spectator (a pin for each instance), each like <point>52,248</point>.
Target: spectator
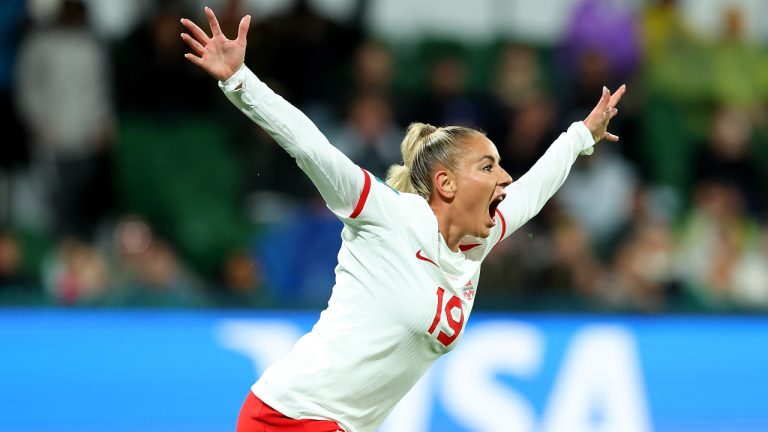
<point>448,101</point>
<point>519,77</point>
<point>149,271</point>
<point>530,131</point>
<point>76,274</point>
<point>738,75</point>
<point>575,269</point>
<point>14,151</point>
<point>664,31</point>
<point>715,237</point>
<point>372,68</point>
<point>369,136</point>
<point>243,282</point>
<point>750,282</point>
<point>64,99</point>
<point>600,46</point>
<point>604,178</point>
<point>288,46</point>
<point>607,28</point>
<point>513,270</point>
<point>11,256</point>
<point>150,62</point>
<point>728,158</point>
<point>643,271</point>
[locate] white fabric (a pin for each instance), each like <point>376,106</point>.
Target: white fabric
<point>372,343</point>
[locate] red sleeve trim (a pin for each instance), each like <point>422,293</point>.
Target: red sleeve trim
<point>363,195</point>
<point>503,225</point>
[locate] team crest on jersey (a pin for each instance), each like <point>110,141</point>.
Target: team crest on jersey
<point>468,291</point>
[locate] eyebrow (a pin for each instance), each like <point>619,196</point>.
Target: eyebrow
<point>493,159</point>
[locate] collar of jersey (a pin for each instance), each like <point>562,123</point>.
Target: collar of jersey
<point>448,260</point>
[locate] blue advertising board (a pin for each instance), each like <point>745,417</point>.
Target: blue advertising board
<point>98,370</point>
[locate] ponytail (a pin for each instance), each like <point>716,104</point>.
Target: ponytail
<point>424,148</point>
<point>399,176</point>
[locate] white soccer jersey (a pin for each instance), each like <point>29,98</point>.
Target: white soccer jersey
<point>402,298</point>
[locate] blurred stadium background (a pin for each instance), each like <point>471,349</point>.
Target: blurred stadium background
<point>149,231</point>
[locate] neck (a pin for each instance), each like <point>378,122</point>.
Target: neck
<point>451,232</point>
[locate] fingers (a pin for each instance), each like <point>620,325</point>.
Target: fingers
<point>611,137</point>
<point>616,97</point>
<point>195,45</point>
<point>604,111</point>
<point>242,30</point>
<point>196,31</point>
<point>609,101</point>
<point>213,22</point>
<point>194,59</point>
<point>600,112</point>
<point>602,104</point>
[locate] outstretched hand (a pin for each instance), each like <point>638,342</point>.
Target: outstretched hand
<point>597,121</point>
<point>217,55</point>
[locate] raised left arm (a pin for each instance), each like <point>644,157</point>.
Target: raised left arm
<point>527,196</point>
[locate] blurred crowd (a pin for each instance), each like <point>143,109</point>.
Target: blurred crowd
<point>126,179</point>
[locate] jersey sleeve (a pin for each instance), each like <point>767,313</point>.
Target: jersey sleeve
<point>342,184</point>
<point>526,196</point>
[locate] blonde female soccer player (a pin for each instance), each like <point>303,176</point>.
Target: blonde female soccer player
<point>411,249</point>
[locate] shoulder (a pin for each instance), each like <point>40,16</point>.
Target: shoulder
<point>380,204</point>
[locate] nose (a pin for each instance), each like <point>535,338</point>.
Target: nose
<point>505,179</point>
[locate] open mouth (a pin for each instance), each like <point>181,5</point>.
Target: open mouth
<point>493,206</point>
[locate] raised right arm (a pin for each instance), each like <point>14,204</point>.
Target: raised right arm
<point>338,179</point>
<point>341,183</point>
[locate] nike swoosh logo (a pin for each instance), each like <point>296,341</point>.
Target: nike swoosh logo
<point>423,258</point>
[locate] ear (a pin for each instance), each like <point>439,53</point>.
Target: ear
<point>445,184</point>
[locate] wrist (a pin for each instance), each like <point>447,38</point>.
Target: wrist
<point>232,74</point>
<point>592,130</point>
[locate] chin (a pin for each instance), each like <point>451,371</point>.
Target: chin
<point>484,233</point>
